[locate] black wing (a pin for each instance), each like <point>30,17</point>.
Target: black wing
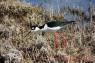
<point>53,24</point>
<point>56,23</point>
<point>59,23</point>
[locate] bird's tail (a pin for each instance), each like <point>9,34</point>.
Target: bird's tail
<point>68,22</point>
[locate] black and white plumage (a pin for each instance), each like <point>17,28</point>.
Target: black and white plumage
<point>52,26</point>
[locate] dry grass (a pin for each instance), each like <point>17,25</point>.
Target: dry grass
<point>38,48</point>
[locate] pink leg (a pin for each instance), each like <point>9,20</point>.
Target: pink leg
<point>55,40</point>
<point>64,43</point>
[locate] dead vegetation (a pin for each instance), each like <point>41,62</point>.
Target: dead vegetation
<point>38,48</point>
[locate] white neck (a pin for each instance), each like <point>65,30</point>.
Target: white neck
<point>36,29</point>
<point>45,26</point>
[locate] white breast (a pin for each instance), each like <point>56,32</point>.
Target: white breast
<point>55,28</point>
<point>48,29</point>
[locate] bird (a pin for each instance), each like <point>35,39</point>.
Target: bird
<point>52,26</point>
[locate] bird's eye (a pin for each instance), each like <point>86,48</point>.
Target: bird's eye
<point>32,27</point>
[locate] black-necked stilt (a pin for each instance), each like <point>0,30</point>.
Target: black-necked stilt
<point>52,26</point>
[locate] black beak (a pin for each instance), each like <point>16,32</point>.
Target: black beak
<point>27,34</point>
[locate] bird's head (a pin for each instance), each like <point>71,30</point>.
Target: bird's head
<point>35,28</point>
